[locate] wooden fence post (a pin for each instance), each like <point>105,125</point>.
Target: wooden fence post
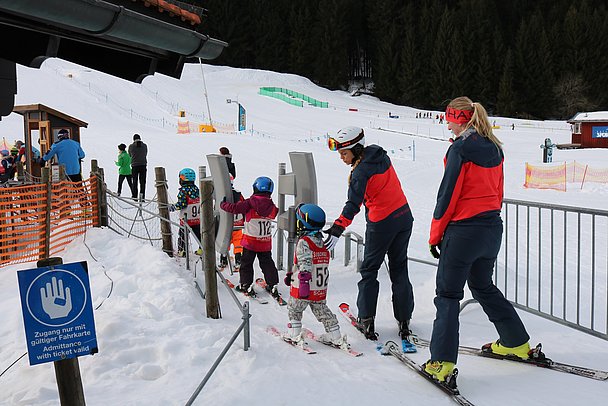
<point>46,179</point>
<point>67,371</point>
<point>208,241</point>
<point>163,210</point>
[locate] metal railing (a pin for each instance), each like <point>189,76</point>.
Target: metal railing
<point>124,213</point>
<point>554,263</point>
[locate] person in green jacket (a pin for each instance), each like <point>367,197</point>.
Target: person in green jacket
<point>124,170</point>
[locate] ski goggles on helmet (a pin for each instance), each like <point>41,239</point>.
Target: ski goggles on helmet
<point>335,145</point>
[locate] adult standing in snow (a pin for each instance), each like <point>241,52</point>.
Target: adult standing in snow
<point>68,152</point>
<point>124,168</point>
<point>374,183</point>
<point>466,230</point>
<point>138,151</point>
<point>231,168</point>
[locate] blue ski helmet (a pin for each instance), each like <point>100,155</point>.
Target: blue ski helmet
<point>263,184</point>
<point>310,217</point>
<point>187,175</point>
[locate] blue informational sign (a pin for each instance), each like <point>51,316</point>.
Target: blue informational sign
<point>242,118</point>
<point>57,312</point>
<point>599,132</point>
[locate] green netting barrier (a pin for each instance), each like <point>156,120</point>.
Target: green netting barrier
<point>291,97</point>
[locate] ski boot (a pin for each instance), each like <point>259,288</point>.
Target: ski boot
<point>439,370</point>
<point>223,262</point>
<point>247,290</point>
<point>294,333</point>
<point>367,324</point>
<point>274,292</point>
<point>521,351</point>
<point>335,339</point>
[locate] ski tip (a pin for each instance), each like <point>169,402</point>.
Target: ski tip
<point>344,305</point>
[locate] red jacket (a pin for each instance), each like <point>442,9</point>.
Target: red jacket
<point>373,182</point>
<point>472,184</point>
<point>259,210</point>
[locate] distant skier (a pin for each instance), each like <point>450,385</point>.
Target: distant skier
<point>308,280</point>
<point>466,230</point>
<point>138,151</point>
<point>123,161</point>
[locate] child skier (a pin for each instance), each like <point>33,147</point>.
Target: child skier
<point>188,204</point>
<point>309,278</point>
<point>237,232</point>
<point>259,210</point>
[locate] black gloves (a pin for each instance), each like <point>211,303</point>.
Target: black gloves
<point>288,279</point>
<point>333,233</point>
<point>434,251</point>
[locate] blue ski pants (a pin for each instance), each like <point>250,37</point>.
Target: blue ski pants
<point>393,241</point>
<point>468,253</point>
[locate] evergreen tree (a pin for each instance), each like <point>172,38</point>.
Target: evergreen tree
<point>409,78</point>
<point>331,64</point>
<point>507,100</point>
<point>301,53</point>
<point>447,68</point>
<point>533,67</point>
<point>384,27</point>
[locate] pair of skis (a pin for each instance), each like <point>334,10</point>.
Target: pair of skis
<point>262,284</point>
<point>310,335</point>
<point>537,358</point>
<point>407,344</point>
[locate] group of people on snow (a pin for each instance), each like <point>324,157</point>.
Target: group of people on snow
<point>132,167</point>
<point>465,236</point>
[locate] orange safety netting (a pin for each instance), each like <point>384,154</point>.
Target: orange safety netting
<point>557,176</point>
<point>546,177</point>
<point>34,221</point>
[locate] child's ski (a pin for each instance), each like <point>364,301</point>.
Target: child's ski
<point>303,346</point>
<point>407,345</point>
<point>262,284</point>
<point>256,298</point>
<point>449,386</point>
<point>309,334</point>
<point>537,358</point>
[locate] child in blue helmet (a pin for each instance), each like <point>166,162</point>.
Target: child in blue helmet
<point>188,204</point>
<point>259,210</point>
<point>308,280</point>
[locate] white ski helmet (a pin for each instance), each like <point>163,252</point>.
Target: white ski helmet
<point>348,137</point>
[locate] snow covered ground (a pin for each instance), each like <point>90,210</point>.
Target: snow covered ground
<point>156,343</point>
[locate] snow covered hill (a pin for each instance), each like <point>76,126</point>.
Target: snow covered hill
<point>155,341</point>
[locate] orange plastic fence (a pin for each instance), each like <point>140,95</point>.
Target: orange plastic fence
<point>27,221</point>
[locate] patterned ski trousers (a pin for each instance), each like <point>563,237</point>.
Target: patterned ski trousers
<point>296,307</point>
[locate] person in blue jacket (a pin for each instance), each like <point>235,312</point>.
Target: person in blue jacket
<point>466,233</point>
<point>68,152</point>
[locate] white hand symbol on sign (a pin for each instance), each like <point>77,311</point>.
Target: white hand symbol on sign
<point>56,302</point>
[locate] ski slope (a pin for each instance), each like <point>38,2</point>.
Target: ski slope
<point>156,343</point>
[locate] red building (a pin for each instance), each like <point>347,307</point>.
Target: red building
<point>590,130</point>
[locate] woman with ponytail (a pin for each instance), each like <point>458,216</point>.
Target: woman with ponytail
<point>466,233</point>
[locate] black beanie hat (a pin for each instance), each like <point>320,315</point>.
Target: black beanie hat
<point>136,137</point>
<point>122,147</point>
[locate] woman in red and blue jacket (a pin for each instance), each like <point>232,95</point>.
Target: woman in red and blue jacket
<point>466,233</point>
<point>373,182</point>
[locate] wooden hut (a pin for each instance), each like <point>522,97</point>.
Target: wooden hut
<point>44,123</point>
<point>590,129</point>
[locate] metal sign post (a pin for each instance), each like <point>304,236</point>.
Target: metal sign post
<point>58,319</point>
